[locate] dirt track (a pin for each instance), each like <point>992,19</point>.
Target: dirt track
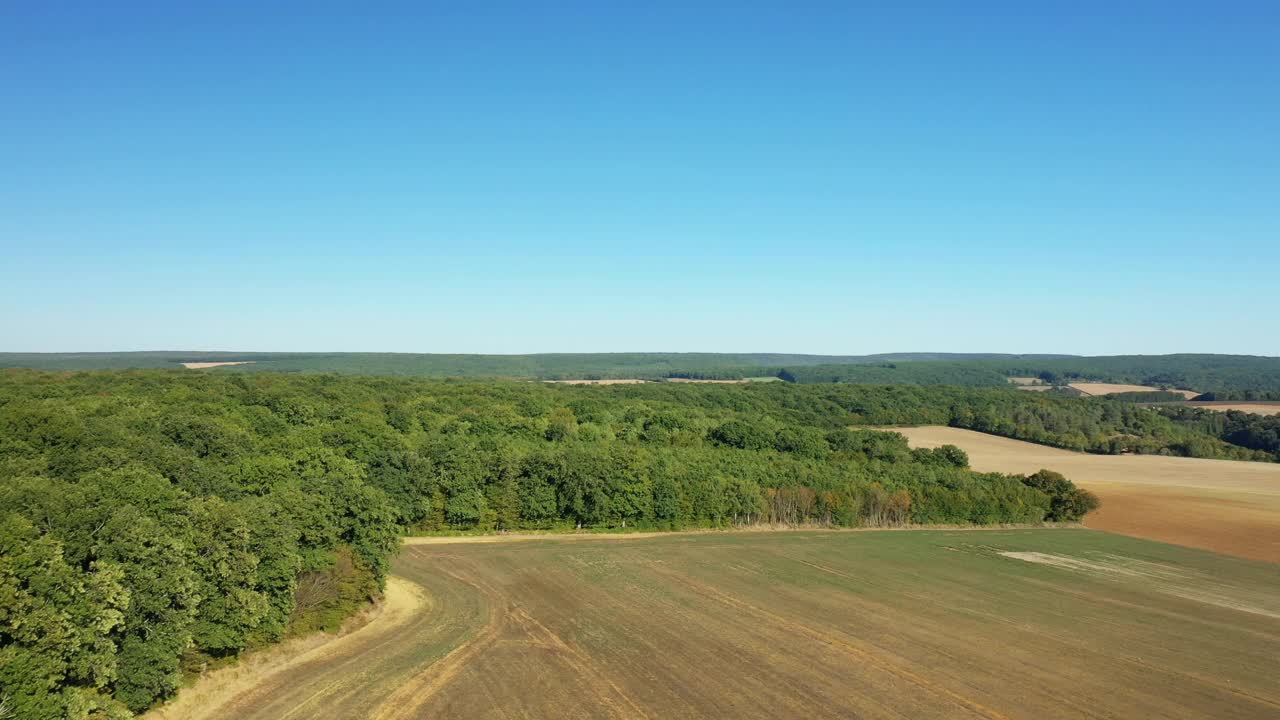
<point>1227,506</point>
<point>227,691</point>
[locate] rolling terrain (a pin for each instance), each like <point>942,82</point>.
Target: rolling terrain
<point>647,365</point>
<point>923,624</point>
<point>199,515</point>
<point>1226,506</point>
<point>1228,377</point>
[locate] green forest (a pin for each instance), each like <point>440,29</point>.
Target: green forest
<point>1227,374</point>
<point>543,366</point>
<point>897,373</point>
<point>154,523</point>
<point>1247,430</point>
<point>1221,377</point>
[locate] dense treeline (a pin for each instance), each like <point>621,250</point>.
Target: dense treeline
<point>145,530</point>
<point>1248,430</point>
<point>156,522</point>
<point>1221,377</point>
<point>1225,377</point>
<point>1151,396</point>
<point>548,366</point>
<point>1098,425</point>
<point>904,373</point>
<point>1238,395</point>
<point>1204,373</point>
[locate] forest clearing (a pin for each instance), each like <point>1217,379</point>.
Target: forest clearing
<point>924,624</point>
<point>1227,506</point>
<point>1097,388</point>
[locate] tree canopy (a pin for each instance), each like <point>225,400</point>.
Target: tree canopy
<point>154,522</point>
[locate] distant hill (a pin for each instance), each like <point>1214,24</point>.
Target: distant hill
<point>550,366</point>
<point>1224,377</point>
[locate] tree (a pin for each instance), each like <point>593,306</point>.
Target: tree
<point>742,435</point>
<point>561,425</point>
<point>1067,503</point>
<point>56,623</point>
<point>163,596</point>
<point>232,605</point>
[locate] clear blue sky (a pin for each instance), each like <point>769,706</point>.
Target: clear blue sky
<point>1097,178</point>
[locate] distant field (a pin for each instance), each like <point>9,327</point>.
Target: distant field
<point>993,624</point>
<point>1027,381</point>
<point>1257,408</point>
<point>204,365</point>
<point>1110,388</point>
<point>1227,506</point>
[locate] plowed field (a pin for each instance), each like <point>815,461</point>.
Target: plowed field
<point>919,624</point>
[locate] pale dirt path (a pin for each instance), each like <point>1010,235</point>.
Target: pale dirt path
<point>214,692</point>
<point>1228,506</point>
<point>741,530</point>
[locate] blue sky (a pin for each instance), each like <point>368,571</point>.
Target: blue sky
<point>481,177</point>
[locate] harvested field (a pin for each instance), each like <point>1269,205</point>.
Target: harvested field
<point>1035,388</point>
<point>1257,408</point>
<point>1228,506</point>
<point>715,382</point>
<point>204,365</point>
<point>921,624</point>
<point>1026,381</point>
<point>1110,388</point>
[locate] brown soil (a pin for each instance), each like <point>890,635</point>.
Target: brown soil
<point>937,624</point>
<point>1226,506</point>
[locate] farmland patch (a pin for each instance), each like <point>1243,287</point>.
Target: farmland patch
<point>1222,505</point>
<point>926,624</point>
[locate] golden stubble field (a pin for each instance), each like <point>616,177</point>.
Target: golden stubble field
<point>1227,506</point>
<point>1256,408</point>
<point>1110,388</point>
<point>996,624</point>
